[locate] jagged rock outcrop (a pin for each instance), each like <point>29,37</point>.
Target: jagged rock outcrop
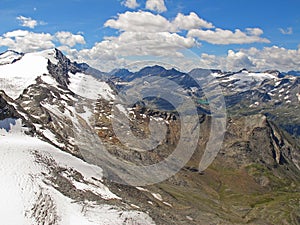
<point>255,139</point>
<point>9,109</point>
<point>60,70</point>
<point>6,110</point>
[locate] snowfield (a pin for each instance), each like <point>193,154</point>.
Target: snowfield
<point>90,87</point>
<point>28,196</point>
<point>15,77</point>
<point>9,57</point>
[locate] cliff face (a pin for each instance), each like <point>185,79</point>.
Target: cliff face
<point>6,110</point>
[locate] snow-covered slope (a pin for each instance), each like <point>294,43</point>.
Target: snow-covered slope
<point>17,76</point>
<point>89,87</point>
<point>18,71</point>
<point>30,193</point>
<point>9,57</point>
<point>243,80</point>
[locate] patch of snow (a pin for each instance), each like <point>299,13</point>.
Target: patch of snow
<point>37,126</point>
<point>168,204</point>
<point>17,191</point>
<point>157,196</point>
<point>135,206</point>
<point>298,96</point>
<point>121,108</point>
<point>96,188</point>
<point>217,74</point>
<point>101,128</point>
<point>277,83</point>
<point>48,134</point>
<point>142,189</point>
<point>194,89</point>
<point>89,87</point>
<point>49,80</point>
<point>57,111</point>
<point>87,114</point>
<point>189,218</point>
<point>110,116</point>
<point>156,118</point>
<point>14,78</point>
<point>108,215</point>
<point>243,79</point>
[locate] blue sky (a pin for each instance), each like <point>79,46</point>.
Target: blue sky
<point>268,36</point>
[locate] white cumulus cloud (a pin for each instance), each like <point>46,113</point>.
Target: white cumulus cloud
<point>27,22</point>
<point>140,44</point>
<point>25,41</point>
<point>225,37</point>
<point>191,21</point>
<point>274,57</point>
<point>254,59</point>
<point>144,33</point>
<point>140,22</point>
<point>289,30</point>
<point>69,39</point>
<point>132,4</point>
<point>238,60</point>
<point>156,5</point>
<point>135,44</point>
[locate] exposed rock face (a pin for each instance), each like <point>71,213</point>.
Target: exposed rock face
<point>11,109</point>
<point>6,110</point>
<point>61,70</point>
<point>254,139</point>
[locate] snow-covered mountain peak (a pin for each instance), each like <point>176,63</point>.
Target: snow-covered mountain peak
<point>17,76</point>
<point>18,71</point>
<point>9,57</point>
<point>50,54</point>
